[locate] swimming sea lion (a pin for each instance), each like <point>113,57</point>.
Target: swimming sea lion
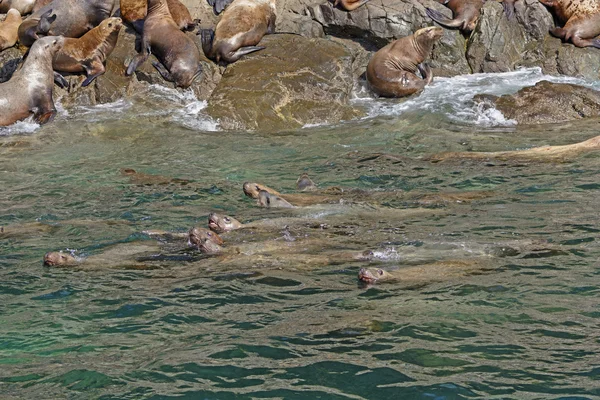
<point>581,20</point>
<point>134,12</point>
<point>466,14</point>
<point>223,223</point>
<point>23,6</point>
<point>205,240</point>
<point>240,29</point>
<point>268,200</point>
<point>9,28</point>
<point>29,91</point>
<point>175,50</point>
<point>69,18</point>
<point>251,189</point>
<point>58,258</point>
<point>349,5</point>
<point>305,184</point>
<point>89,52</point>
<point>391,71</point>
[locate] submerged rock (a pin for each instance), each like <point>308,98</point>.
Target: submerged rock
<point>547,102</point>
<point>294,81</point>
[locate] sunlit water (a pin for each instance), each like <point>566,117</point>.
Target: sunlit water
<point>282,314</point>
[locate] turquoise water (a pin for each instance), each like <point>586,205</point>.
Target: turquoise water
<point>282,314</point>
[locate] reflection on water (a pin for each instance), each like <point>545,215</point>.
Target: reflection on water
<point>497,263</point>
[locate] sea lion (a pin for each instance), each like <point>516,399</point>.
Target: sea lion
<point>69,18</point>
<point>58,258</point>
<point>9,29</point>
<point>349,5</point>
<point>581,20</point>
<point>29,91</point>
<point>206,241</point>
<point>305,184</point>
<point>223,223</point>
<point>175,50</point>
<point>39,4</point>
<point>89,52</point>
<point>251,189</point>
<point>269,200</point>
<point>240,29</point>
<point>134,12</point>
<point>391,71</point>
<point>23,6</point>
<point>219,5</point>
<point>425,273</point>
<point>466,14</point>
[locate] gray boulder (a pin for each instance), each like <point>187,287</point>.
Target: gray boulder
<point>292,82</point>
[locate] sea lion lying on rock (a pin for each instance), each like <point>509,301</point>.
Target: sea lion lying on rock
<point>175,50</point>
<point>22,6</point>
<point>134,12</point>
<point>89,52</point>
<point>240,29</point>
<point>9,29</point>
<point>581,20</point>
<point>392,70</point>
<point>30,89</point>
<point>465,13</point>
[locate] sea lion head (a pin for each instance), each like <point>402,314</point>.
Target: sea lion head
<point>47,45</point>
<point>269,200</point>
<point>222,223</point>
<point>199,235</point>
<point>372,275</point>
<point>58,258</point>
<point>429,34</point>
<point>251,189</point>
<point>305,184</point>
<point>110,25</point>
<point>183,73</point>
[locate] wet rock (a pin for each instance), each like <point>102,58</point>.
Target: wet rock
<point>565,59</point>
<point>9,61</point>
<point>381,21</point>
<point>293,16</point>
<point>292,82</point>
<point>547,102</point>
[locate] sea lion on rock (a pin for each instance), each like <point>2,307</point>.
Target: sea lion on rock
<point>69,18</point>
<point>391,71</point>
<point>134,12</point>
<point>240,29</point>
<point>89,52</point>
<point>349,5</point>
<point>581,20</point>
<point>23,6</point>
<point>175,50</point>
<point>29,91</point>
<point>466,14</point>
<point>9,29</point>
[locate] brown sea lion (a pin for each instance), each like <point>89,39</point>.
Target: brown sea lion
<point>205,240</point>
<point>251,189</point>
<point>175,50</point>
<point>58,258</point>
<point>581,20</point>
<point>89,52</point>
<point>29,91</point>
<point>269,200</point>
<point>223,223</point>
<point>69,18</point>
<point>23,6</point>
<point>349,5</point>
<point>9,29</point>
<point>425,273</point>
<point>466,14</point>
<point>240,29</point>
<point>391,71</point>
<point>134,12</point>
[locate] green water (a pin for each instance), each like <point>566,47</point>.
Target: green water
<point>279,325</point>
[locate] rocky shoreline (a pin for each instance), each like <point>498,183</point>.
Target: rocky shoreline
<point>308,70</point>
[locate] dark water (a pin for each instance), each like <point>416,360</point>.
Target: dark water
<point>497,297</point>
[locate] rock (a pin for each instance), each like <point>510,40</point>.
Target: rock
<point>566,59</point>
<point>292,82</point>
<point>9,61</point>
<point>547,102</point>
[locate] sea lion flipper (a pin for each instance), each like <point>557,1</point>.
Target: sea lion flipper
<point>442,19</point>
<point>242,51</point>
<point>46,20</point>
<point>426,73</point>
<point>60,80</point>
<point>219,5</point>
<point>163,71</point>
<point>206,37</point>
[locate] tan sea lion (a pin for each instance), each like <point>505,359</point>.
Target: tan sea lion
<point>223,223</point>
<point>58,258</point>
<point>425,273</point>
<point>269,200</point>
<point>89,52</point>
<point>391,71</point>
<point>581,20</point>
<point>175,50</point>
<point>349,5</point>
<point>466,14</point>
<point>9,29</point>
<point>240,29</point>
<point>134,12</point>
<point>23,6</point>
<point>69,18</point>
<point>205,240</point>
<point>29,91</point>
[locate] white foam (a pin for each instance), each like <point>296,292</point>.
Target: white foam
<point>453,97</point>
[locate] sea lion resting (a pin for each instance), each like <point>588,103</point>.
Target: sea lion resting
<point>9,29</point>
<point>89,52</point>
<point>240,29</point>
<point>29,91</point>
<point>175,50</point>
<point>465,13</point>
<point>581,20</point>
<point>134,12</point>
<point>69,18</point>
<point>23,6</point>
<point>392,70</point>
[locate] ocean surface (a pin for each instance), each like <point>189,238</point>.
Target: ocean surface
<point>497,289</point>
